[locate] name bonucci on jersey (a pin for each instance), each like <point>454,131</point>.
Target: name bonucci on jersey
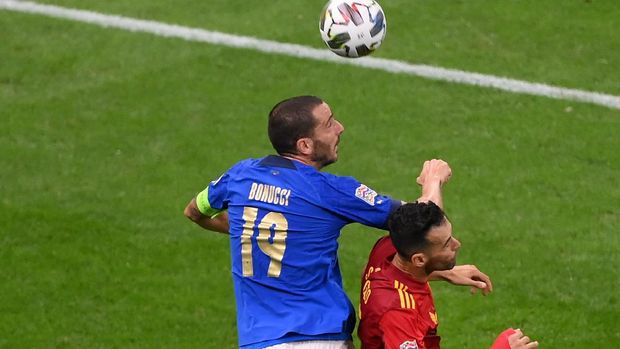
<point>270,194</point>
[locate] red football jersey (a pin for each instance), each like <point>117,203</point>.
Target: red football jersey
<point>396,311</point>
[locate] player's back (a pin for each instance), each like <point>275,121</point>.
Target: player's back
<point>285,218</point>
<point>279,218</point>
<point>385,289</point>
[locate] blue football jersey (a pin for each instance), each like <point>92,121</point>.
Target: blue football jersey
<point>285,218</point>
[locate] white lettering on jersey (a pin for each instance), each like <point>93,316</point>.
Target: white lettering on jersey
<point>269,194</point>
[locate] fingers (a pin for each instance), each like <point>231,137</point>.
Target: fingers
<point>469,275</point>
<point>439,169</point>
<point>479,285</point>
<point>434,169</point>
<point>481,280</point>
<point>519,341</point>
<point>487,280</point>
<point>513,339</point>
<point>484,279</point>
<point>422,177</point>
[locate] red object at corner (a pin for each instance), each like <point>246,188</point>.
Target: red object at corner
<point>501,342</point>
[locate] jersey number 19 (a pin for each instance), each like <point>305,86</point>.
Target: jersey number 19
<point>273,223</point>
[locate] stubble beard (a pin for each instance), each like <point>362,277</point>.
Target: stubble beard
<point>322,154</point>
<point>438,266</point>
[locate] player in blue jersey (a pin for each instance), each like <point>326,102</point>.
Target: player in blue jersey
<point>284,217</point>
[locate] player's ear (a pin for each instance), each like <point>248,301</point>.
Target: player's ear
<point>418,259</point>
<point>305,146</point>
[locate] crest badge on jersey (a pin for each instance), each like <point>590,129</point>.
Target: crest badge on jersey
<point>366,194</point>
<point>433,317</point>
<point>409,345</point>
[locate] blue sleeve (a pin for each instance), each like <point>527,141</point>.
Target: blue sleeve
<point>218,192</point>
<point>215,198</point>
<point>357,202</point>
<point>212,200</point>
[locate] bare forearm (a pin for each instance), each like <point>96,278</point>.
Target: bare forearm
<point>465,275</point>
<point>218,223</point>
<point>440,275</point>
<point>431,191</point>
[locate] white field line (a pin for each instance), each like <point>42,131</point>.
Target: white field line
<point>267,46</point>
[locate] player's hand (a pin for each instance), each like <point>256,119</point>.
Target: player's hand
<point>518,340</point>
<point>513,339</point>
<point>422,177</point>
<point>469,275</point>
<point>434,169</point>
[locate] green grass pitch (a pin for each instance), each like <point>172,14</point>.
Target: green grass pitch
<point>106,134</point>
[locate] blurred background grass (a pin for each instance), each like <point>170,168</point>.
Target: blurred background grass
<point>106,135</point>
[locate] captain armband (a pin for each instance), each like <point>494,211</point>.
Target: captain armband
<point>202,202</point>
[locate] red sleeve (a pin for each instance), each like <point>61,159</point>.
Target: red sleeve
<point>501,342</point>
<point>401,330</point>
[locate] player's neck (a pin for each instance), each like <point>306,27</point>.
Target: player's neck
<point>302,159</point>
<point>418,274</point>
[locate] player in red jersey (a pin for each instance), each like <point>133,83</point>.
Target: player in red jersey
<point>396,304</point>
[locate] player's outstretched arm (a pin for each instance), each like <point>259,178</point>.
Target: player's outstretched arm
<point>218,223</point>
<point>465,275</point>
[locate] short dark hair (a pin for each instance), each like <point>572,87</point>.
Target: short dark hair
<point>291,120</point>
<point>410,223</point>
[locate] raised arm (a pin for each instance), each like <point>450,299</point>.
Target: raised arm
<point>433,175</point>
<point>217,223</point>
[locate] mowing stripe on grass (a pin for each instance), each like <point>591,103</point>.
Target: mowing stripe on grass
<point>267,46</point>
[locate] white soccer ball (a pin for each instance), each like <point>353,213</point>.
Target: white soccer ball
<point>352,28</point>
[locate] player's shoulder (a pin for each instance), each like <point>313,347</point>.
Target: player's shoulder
<point>326,178</point>
<point>385,287</point>
<point>385,293</point>
<point>383,245</point>
<point>382,250</point>
<point>381,281</point>
<point>335,188</point>
<point>331,189</point>
<point>240,165</point>
<point>244,165</point>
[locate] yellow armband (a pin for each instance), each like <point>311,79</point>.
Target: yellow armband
<point>202,201</point>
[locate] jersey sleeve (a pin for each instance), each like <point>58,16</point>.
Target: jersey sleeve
<point>401,331</point>
<point>501,342</point>
<point>214,198</point>
<point>357,202</point>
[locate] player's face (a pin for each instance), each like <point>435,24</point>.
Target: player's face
<point>442,248</point>
<point>326,136</point>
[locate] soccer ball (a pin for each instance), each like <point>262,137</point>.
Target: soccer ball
<point>352,28</point>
